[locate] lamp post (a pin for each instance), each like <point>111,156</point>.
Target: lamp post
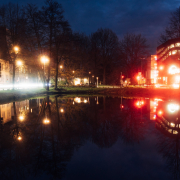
<point>16,50</point>
<point>44,60</point>
<point>89,77</point>
<point>97,81</point>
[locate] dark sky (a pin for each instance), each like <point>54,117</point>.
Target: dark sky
<point>148,17</point>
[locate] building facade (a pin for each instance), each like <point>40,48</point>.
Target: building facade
<point>168,62</point>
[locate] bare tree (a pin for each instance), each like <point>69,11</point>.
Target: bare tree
<point>107,45</point>
<point>133,52</point>
<point>173,29</point>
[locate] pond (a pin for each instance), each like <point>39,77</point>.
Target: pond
<point>90,138</point>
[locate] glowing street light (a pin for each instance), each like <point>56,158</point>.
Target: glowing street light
<point>46,121</point>
<point>21,118</point>
<point>16,49</point>
<point>97,81</point>
<point>161,67</point>
<point>61,110</point>
<point>19,63</point>
<point>19,138</point>
<point>73,71</point>
<point>61,66</point>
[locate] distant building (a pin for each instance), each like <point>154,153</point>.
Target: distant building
<point>168,61</point>
<point>152,71</point>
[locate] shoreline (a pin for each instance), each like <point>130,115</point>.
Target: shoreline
<point>18,95</point>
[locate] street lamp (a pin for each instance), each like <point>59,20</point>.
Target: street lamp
<point>97,81</point>
<point>19,63</point>
<point>16,50</point>
<point>61,66</point>
<point>44,59</point>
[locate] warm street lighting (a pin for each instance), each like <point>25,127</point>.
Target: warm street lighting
<point>61,110</point>
<point>73,71</point>
<point>161,68</point>
<point>92,75</point>
<point>19,138</point>
<point>61,66</point>
<point>97,81</point>
<point>89,72</point>
<point>16,49</point>
<point>21,118</point>
<point>46,121</point>
<point>44,59</point>
<point>19,63</point>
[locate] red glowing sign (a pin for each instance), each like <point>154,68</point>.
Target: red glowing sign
<point>139,104</point>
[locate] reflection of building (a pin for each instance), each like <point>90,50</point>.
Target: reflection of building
<point>6,112</point>
<point>81,100</point>
<point>168,118</point>
<point>4,72</point>
<point>168,62</point>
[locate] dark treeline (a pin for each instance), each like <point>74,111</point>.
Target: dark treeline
<point>45,31</point>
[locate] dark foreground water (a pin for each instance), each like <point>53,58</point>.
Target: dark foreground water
<point>90,138</point>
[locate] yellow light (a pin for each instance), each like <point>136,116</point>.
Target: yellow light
<point>161,68</point>
<point>19,63</point>
<point>92,76</point>
<point>19,138</point>
<point>85,101</point>
<point>21,118</point>
<point>78,100</point>
<point>89,72</point>
<point>46,121</point>
<point>61,110</point>
<point>76,81</point>
<point>44,59</point>
<point>61,66</point>
<point>16,49</point>
<point>73,71</point>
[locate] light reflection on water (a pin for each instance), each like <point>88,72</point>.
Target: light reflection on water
<point>90,138</point>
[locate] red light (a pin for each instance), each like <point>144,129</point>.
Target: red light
<point>121,106</point>
<point>122,77</point>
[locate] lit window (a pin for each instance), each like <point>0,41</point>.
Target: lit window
<point>172,45</point>
<point>175,132</point>
<point>177,44</point>
<point>174,52</point>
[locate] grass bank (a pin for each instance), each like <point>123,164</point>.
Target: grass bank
<point>16,95</point>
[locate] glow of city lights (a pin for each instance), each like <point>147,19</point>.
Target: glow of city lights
<point>73,71</point>
<point>19,138</point>
<point>161,67</point>
<point>154,117</point>
<point>139,103</point>
<point>175,85</point>
<point>46,121</point>
<point>160,113</point>
<point>73,102</point>
<point>77,81</point>
<point>173,107</point>
<point>138,77</point>
<point>77,100</point>
<point>85,101</point>
<point>21,118</point>
<point>19,63</point>
<point>61,66</point>
<point>173,70</point>
<point>89,72</point>
<point>16,49</point>
<point>93,76</point>
<point>61,110</point>
<point>44,59</point>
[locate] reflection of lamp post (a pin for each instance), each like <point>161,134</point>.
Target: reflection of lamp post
<point>97,81</point>
<point>44,59</point>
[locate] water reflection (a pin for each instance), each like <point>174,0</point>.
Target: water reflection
<point>40,136</point>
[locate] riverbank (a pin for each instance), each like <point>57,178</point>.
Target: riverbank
<point>17,95</point>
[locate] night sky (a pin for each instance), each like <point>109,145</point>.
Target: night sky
<point>148,17</point>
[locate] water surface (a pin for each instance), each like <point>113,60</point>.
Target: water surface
<point>90,138</point>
